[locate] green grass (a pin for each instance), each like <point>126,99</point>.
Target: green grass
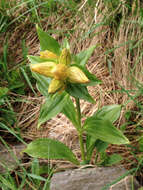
<point>30,177</point>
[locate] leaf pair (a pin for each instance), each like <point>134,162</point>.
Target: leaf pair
<point>99,131</point>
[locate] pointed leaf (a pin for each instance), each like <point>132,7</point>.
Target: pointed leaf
<point>35,167</point>
<point>42,83</point>
<point>113,159</point>
<point>89,141</point>
<point>27,79</point>
<point>104,130</point>
<point>94,143</point>
<point>111,112</point>
<point>52,106</point>
<point>50,149</point>
<point>90,146</point>
<point>70,112</point>
<point>101,145</point>
<point>47,42</point>
<point>37,59</point>
<point>38,177</point>
<point>83,56</point>
<point>79,91</point>
<point>65,44</point>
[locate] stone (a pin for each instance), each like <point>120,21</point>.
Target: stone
<point>97,178</point>
<point>9,158</point>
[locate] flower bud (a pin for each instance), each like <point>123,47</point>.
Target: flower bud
<point>65,57</point>
<point>60,72</point>
<point>76,75</point>
<point>44,68</point>
<point>48,54</point>
<point>55,86</point>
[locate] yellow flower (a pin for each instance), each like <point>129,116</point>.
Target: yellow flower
<point>47,54</point>
<point>60,72</point>
<point>56,85</point>
<point>65,57</point>
<point>76,75</point>
<point>44,68</point>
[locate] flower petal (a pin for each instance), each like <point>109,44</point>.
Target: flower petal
<point>44,68</point>
<point>76,75</point>
<point>48,54</point>
<point>65,57</point>
<point>55,86</point>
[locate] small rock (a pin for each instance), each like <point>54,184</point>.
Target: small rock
<point>92,179</point>
<point>8,158</point>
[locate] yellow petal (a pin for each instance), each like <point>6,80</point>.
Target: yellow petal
<point>48,54</point>
<point>44,68</point>
<point>55,86</point>
<point>60,72</point>
<point>65,57</point>
<point>76,75</point>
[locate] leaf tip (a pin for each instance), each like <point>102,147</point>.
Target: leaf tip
<point>39,125</point>
<point>127,141</point>
<point>37,27</point>
<point>23,151</point>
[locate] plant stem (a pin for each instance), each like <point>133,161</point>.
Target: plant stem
<point>80,133</point>
<point>82,147</point>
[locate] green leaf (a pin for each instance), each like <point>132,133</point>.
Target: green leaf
<point>52,106</point>
<point>42,83</point>
<point>100,145</point>
<point>27,80</point>
<point>34,176</point>
<point>113,159</point>
<point>12,131</point>
<point>89,141</point>
<point>79,91</point>
<point>103,159</point>
<point>47,42</point>
<point>94,143</point>
<point>3,91</point>
<point>35,167</point>
<point>104,130</point>
<point>90,146</point>
<point>70,112</point>
<point>37,59</point>
<point>50,149</point>
<point>109,160</point>
<point>93,79</point>
<point>65,44</point>
<point>83,56</point>
<point>141,188</point>
<point>111,112</point>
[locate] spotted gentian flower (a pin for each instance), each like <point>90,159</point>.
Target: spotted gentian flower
<point>61,71</point>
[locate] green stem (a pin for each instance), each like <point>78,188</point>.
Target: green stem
<point>80,133</point>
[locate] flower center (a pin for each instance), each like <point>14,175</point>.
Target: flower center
<point>60,72</point>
